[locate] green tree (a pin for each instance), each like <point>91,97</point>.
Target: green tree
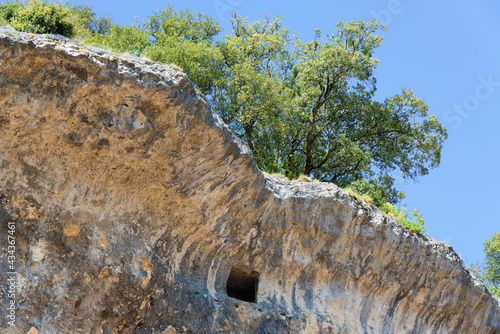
<point>489,270</point>
<point>491,274</point>
<point>131,39</point>
<point>87,23</point>
<point>253,96</point>
<point>308,107</point>
<point>187,40</point>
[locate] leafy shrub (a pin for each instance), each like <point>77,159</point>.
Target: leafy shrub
<point>381,190</point>
<point>414,222</point>
<point>495,290</point>
<point>128,39</point>
<point>78,21</point>
<point>88,24</point>
<point>8,10</point>
<point>42,17</point>
<point>85,17</point>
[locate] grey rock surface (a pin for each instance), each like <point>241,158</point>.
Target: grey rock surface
<point>136,210</point>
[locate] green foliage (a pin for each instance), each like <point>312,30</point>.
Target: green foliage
<point>168,23</point>
<point>489,271</point>
<point>8,10</point>
<point>87,23</point>
<point>383,196</point>
<point>308,108</point>
<point>381,191</point>
<point>128,39</point>
<point>413,221</point>
<point>495,290</point>
<point>492,263</point>
<point>42,17</point>
<point>186,39</point>
<point>38,16</point>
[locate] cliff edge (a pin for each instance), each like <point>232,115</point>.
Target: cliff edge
<point>133,209</point>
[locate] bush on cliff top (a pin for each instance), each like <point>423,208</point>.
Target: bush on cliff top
<point>7,11</point>
<point>38,17</point>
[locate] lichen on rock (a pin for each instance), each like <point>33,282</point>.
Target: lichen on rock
<point>136,210</point>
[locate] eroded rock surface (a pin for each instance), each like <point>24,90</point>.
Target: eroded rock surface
<point>137,211</point>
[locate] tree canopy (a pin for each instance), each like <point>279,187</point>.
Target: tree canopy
<point>308,107</point>
<point>491,274</point>
<point>489,270</point>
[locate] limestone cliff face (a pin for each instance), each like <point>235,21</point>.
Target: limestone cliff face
<point>136,210</point>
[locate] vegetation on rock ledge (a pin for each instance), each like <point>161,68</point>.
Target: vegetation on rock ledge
<point>489,272</point>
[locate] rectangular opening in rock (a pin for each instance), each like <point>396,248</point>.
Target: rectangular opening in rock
<point>243,283</point>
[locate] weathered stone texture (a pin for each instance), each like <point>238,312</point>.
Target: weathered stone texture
<point>133,201</point>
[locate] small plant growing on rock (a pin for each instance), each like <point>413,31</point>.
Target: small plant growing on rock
<point>305,178</point>
<point>366,198</point>
<point>413,221</point>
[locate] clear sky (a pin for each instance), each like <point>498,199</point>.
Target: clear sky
<point>449,53</point>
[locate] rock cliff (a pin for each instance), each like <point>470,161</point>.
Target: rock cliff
<point>133,209</point>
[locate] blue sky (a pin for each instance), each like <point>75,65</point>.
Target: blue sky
<point>449,53</point>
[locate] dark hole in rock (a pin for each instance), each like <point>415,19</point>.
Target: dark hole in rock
<point>243,284</point>
<point>78,303</point>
